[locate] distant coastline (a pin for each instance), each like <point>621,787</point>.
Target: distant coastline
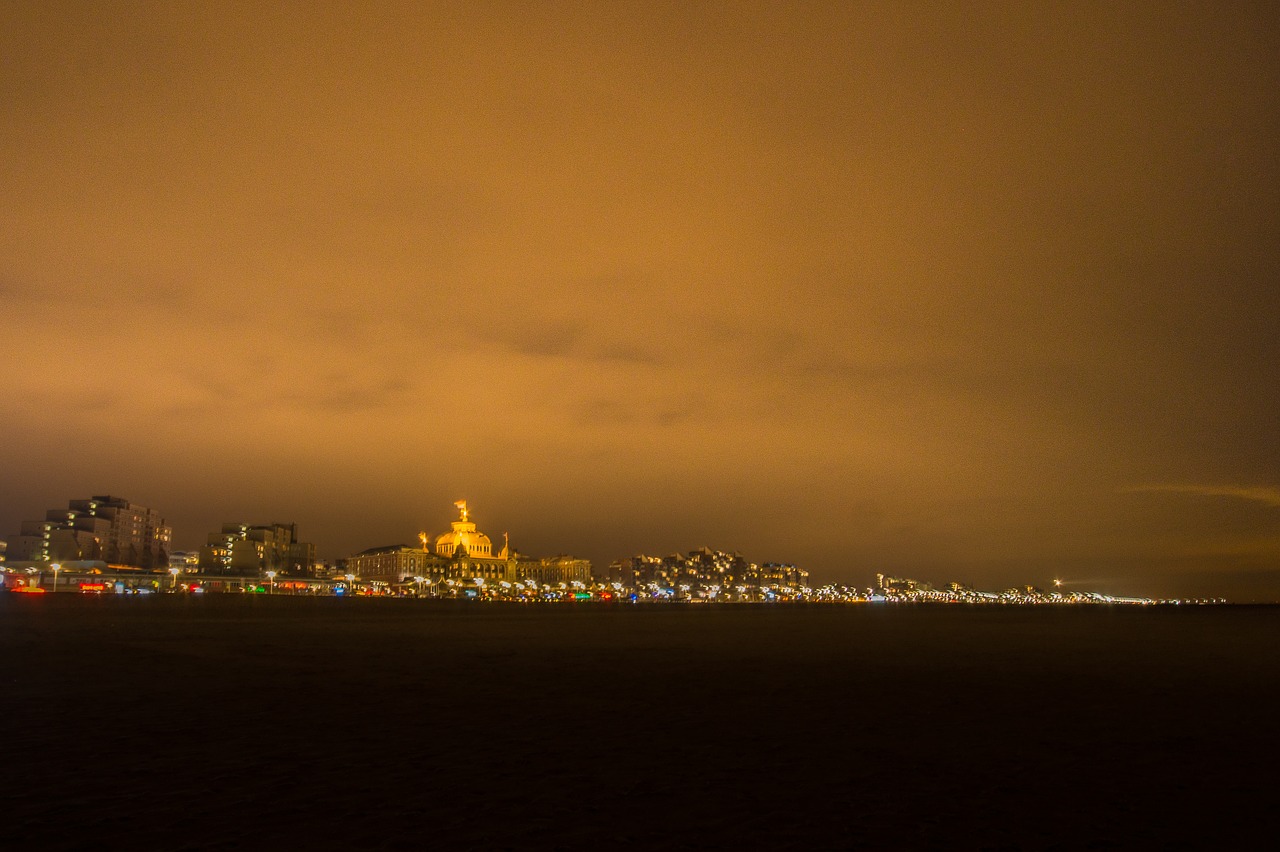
<point>101,579</point>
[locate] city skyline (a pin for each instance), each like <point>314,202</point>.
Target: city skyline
<point>109,544</point>
<point>243,551</point>
<point>981,293</point>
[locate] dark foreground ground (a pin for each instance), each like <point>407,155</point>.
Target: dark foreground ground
<point>255,722</point>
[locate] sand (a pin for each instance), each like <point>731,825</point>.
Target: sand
<point>225,722</point>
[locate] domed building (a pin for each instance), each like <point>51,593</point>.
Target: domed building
<point>464,540</point>
<point>463,553</point>
<point>470,552</point>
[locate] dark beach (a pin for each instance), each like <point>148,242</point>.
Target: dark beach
<point>174,722</point>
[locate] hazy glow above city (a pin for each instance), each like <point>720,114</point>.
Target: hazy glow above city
<point>954,293</point>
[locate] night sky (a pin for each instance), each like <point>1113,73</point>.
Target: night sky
<point>982,292</point>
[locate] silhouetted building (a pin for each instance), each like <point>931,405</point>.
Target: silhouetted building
<point>243,549</point>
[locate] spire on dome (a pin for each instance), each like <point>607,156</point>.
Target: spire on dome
<point>465,535</point>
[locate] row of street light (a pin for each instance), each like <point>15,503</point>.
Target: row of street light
<point>176,572</point>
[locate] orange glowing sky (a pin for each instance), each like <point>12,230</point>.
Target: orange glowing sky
<point>983,292</point>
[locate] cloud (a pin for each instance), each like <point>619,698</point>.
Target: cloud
<point>569,339</point>
<point>1259,493</point>
<point>555,340</point>
<point>352,394</point>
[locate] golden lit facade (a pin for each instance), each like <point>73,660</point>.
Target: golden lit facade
<point>396,563</point>
<point>470,552</point>
<point>464,540</point>
<point>463,553</point>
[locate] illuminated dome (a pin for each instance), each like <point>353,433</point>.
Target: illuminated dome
<point>464,535</point>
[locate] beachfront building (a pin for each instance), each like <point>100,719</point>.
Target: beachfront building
<point>780,574</point>
<point>702,567</point>
<point>554,570</point>
<point>244,550</point>
<point>470,552</point>
<point>705,568</point>
<point>395,563</point>
<point>463,553</point>
<point>103,528</point>
<point>185,560</point>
